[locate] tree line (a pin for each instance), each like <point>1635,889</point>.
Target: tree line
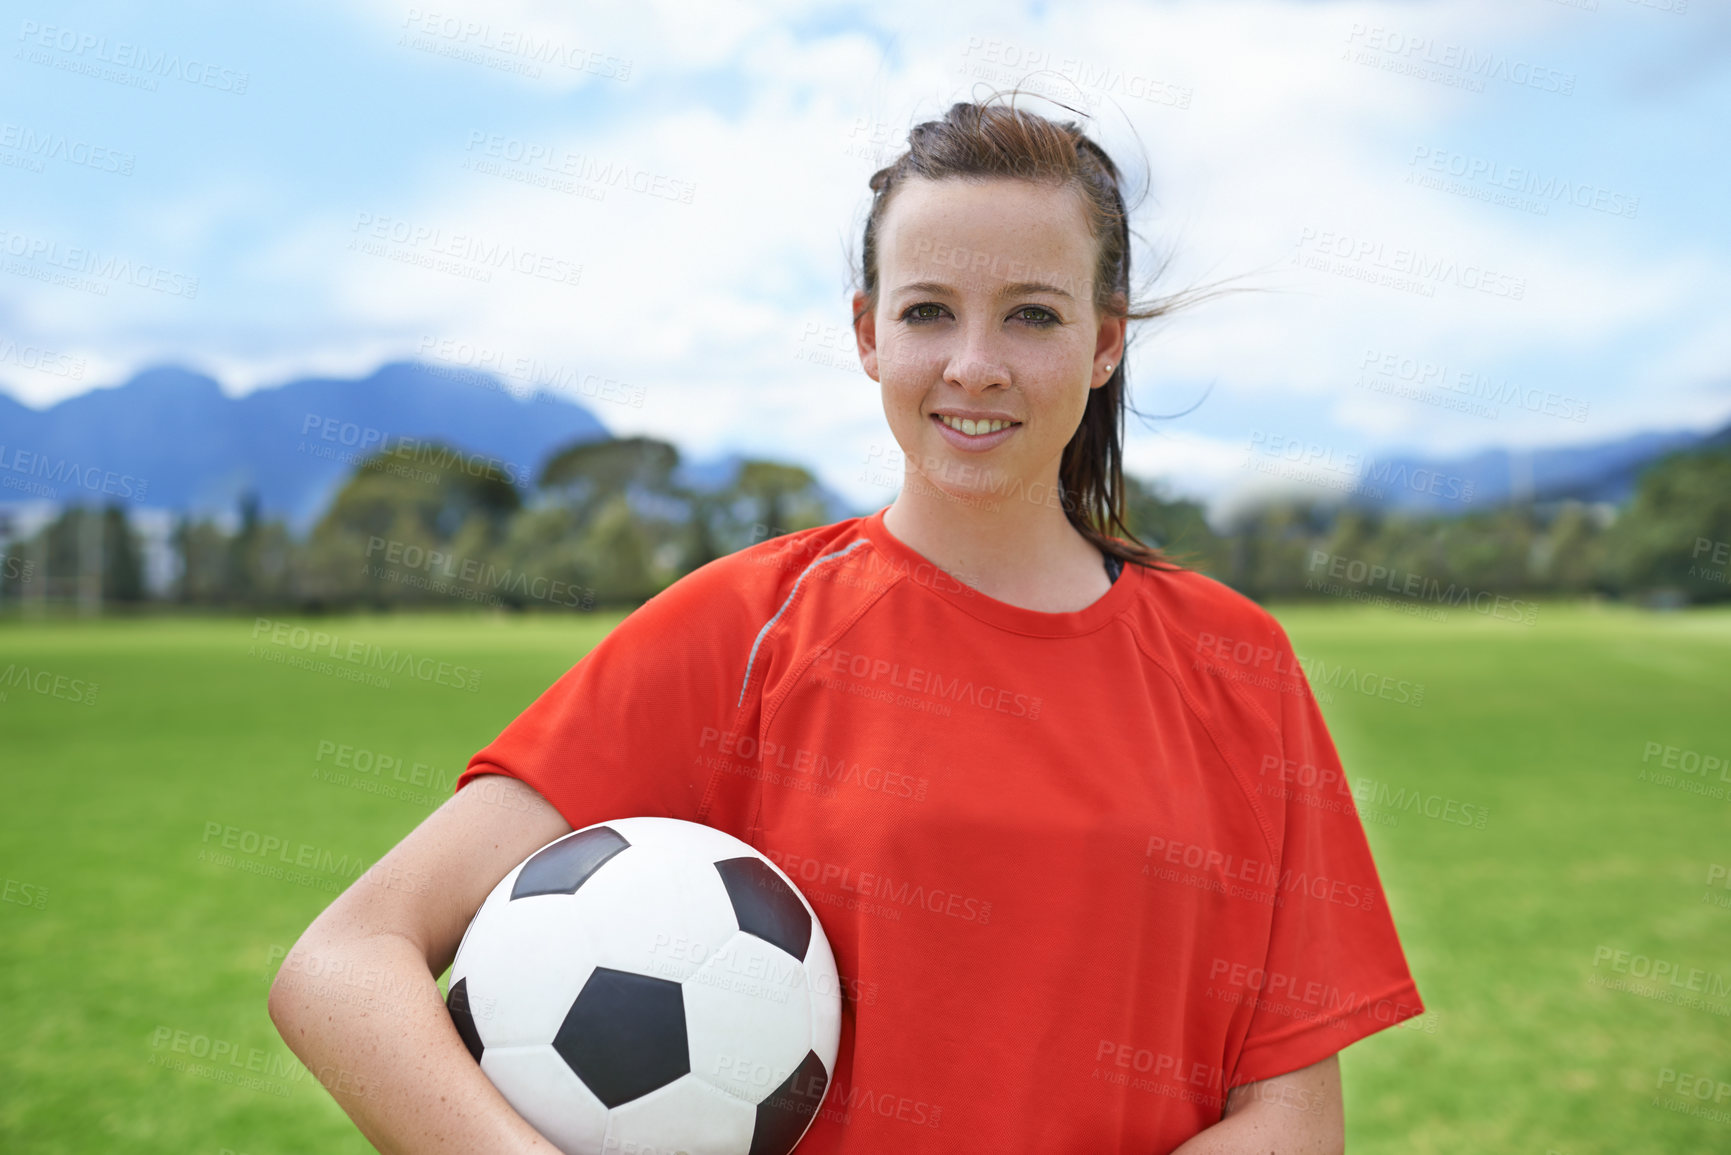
<point>608,524</point>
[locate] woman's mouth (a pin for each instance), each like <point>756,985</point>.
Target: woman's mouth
<point>974,433</point>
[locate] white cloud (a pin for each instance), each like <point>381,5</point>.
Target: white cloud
<point>1253,125</point>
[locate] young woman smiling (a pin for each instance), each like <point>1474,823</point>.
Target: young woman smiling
<point>1078,836</point>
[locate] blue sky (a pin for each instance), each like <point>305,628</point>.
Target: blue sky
<point>266,191</point>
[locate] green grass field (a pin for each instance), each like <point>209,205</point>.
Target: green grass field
<point>128,933</point>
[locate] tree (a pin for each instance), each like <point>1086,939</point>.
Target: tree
<point>767,499</point>
<point>587,475</point>
<point>1676,533</point>
<point>1176,527</point>
<point>409,528</point>
<point>122,568</point>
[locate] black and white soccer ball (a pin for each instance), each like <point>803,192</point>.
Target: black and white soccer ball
<point>649,985</point>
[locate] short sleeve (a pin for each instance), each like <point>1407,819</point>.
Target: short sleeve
<point>632,729</point>
<point>1334,970</point>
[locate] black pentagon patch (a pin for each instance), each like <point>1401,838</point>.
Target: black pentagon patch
<point>625,1035</point>
<point>567,864</point>
<point>457,1002</point>
<point>783,1117</point>
<point>765,905</point>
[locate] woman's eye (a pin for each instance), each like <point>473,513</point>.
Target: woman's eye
<point>1036,315</point>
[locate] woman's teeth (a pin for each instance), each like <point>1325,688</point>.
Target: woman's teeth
<point>973,428</point>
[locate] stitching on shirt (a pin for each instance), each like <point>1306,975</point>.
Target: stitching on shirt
<point>1238,776</point>
<point>770,624</point>
<point>771,706</point>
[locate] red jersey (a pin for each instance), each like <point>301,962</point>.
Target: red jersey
<point>1082,872</point>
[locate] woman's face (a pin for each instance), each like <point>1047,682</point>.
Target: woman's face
<point>985,338</point>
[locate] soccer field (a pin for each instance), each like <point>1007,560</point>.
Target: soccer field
<point>183,796</point>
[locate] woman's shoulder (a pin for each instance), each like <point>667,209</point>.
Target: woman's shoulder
<point>1207,612</point>
<point>1230,652</point>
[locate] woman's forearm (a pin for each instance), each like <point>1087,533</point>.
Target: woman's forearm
<point>1299,1113</point>
<point>365,1016</point>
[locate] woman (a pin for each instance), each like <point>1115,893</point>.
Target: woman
<point>1048,815</point>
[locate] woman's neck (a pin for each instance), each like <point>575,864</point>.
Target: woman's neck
<point>1013,547</point>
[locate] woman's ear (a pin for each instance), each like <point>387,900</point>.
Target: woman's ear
<point>1108,348</point>
<point>865,334</point>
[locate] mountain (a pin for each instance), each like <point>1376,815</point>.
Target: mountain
<point>1603,471</point>
<point>170,438</point>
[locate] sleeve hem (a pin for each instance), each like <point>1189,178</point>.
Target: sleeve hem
<point>476,769</point>
<point>1311,1042</point>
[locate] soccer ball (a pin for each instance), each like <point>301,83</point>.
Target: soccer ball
<point>649,985</point>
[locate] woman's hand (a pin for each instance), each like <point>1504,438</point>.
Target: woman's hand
<point>357,999</point>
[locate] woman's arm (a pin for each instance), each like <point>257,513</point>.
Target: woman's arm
<point>1298,1113</point>
<point>357,999</point>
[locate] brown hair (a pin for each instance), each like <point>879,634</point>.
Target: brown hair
<point>984,139</point>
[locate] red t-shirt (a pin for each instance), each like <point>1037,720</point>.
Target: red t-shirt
<point>1083,872</point>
